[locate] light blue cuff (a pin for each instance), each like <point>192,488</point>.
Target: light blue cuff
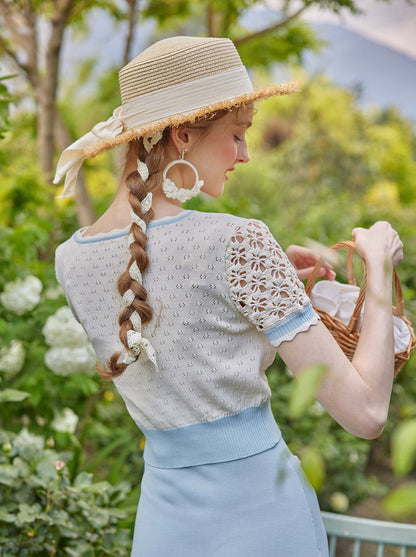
<point>294,324</point>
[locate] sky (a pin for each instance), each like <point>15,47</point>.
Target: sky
<point>392,24</point>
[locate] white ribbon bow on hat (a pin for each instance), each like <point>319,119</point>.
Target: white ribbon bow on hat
<point>72,158</point>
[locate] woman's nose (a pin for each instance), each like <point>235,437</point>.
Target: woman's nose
<point>243,154</point>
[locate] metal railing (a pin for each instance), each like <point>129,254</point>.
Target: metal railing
<point>360,530</point>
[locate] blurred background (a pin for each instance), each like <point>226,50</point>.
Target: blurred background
<point>337,155</point>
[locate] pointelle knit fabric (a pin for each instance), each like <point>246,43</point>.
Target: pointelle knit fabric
<point>219,480</point>
<point>224,296</point>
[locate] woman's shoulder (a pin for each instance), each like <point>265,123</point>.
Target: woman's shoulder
<point>64,248</point>
<point>226,221</point>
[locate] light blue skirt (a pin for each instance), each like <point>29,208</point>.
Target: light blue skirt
<point>256,505</point>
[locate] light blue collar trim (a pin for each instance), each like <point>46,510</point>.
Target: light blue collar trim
<point>79,239</point>
<point>170,220</point>
<point>250,431</point>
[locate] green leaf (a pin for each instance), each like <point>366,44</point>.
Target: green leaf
<point>12,395</point>
<point>28,513</point>
<point>83,480</point>
<point>305,387</point>
<point>46,467</point>
<point>98,487</point>
<point>8,474</point>
<point>6,516</point>
<point>99,517</point>
<point>401,503</point>
<point>404,447</point>
<point>313,465</point>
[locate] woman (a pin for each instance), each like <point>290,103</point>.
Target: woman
<point>204,301</point>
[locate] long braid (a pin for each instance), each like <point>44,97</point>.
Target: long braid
<point>141,183</point>
<point>137,311</point>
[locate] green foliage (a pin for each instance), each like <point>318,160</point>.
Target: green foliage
<point>81,422</point>
<point>282,40</point>
<point>322,169</point>
<point>313,465</point>
<point>44,511</point>
<point>166,10</point>
<point>325,170</point>
<point>404,447</point>
<point>325,167</point>
<point>285,45</point>
<point>12,395</point>
<point>305,387</point>
<point>4,110</point>
<point>401,502</point>
<point>333,460</point>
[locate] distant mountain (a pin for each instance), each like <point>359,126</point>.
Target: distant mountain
<point>385,77</point>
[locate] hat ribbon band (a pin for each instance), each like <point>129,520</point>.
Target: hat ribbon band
<point>148,108</point>
<point>186,97</point>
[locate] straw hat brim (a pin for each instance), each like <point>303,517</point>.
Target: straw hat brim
<point>284,88</point>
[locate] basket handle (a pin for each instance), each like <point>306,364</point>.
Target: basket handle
<point>398,309</point>
<point>314,274</point>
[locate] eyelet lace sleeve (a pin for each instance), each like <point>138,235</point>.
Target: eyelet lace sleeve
<point>264,285</point>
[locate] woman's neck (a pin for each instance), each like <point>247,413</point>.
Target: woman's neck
<point>118,214</point>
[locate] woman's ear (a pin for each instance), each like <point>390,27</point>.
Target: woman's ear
<point>180,138</point>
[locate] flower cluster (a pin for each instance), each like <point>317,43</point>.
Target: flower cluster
<point>12,358</point>
<point>27,445</point>
<point>65,421</point>
<point>70,349</point>
<point>21,295</point>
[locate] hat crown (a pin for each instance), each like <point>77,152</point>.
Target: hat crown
<point>176,60</point>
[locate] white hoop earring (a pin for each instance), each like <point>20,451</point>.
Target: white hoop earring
<point>171,190</point>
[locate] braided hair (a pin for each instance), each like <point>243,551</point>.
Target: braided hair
<point>140,183</point>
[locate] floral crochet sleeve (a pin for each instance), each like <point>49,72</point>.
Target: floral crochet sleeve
<point>264,285</point>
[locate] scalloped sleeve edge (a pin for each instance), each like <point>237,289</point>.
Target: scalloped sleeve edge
<point>290,327</point>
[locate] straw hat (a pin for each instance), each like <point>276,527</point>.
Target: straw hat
<point>174,81</point>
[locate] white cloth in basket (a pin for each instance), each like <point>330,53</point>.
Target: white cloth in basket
<point>339,301</point>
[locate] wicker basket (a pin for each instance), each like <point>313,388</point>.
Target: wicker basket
<point>347,335</point>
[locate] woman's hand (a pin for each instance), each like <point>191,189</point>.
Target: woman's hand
<point>357,393</point>
<point>379,244</point>
<point>304,260</point>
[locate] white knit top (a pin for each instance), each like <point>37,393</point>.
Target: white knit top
<point>224,295</point>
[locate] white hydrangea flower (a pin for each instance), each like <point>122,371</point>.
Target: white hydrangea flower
<point>27,445</point>
<point>63,330</point>
<point>65,360</point>
<point>21,295</point>
<point>12,358</point>
<point>65,421</point>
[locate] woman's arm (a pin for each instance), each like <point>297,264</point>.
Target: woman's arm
<point>357,393</point>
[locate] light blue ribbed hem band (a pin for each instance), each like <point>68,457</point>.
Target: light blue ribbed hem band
<point>249,432</point>
<point>292,324</point>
